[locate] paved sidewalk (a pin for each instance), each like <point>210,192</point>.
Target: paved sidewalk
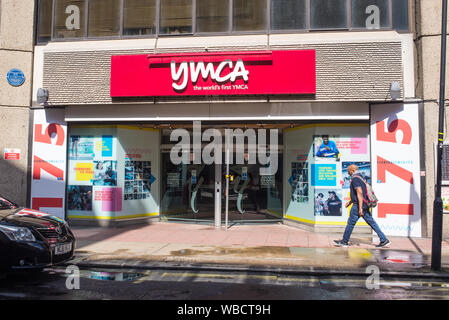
<point>258,246</point>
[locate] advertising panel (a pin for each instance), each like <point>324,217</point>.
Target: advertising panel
<point>49,162</point>
<point>396,168</point>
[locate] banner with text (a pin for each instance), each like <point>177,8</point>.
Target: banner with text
<point>218,73</point>
<point>396,168</point>
<point>49,162</point>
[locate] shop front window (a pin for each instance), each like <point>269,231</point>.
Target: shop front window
<point>250,15</point>
<point>316,178</point>
<point>288,15</point>
<point>212,15</point>
<point>104,18</point>
<point>112,172</point>
<point>176,17</point>
<point>70,19</point>
<point>139,17</point>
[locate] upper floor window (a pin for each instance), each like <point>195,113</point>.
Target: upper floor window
<point>328,14</point>
<point>45,9</point>
<point>400,15</point>
<point>212,16</point>
<point>139,17</point>
<point>370,14</point>
<point>250,15</point>
<point>81,19</point>
<point>70,19</point>
<point>104,18</point>
<point>288,14</point>
<point>176,16</point>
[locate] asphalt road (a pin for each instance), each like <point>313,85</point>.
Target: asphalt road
<point>53,283</point>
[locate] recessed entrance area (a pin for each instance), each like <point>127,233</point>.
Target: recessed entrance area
<point>200,191</point>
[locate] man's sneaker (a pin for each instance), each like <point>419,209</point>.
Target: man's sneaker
<point>384,244</point>
<point>340,243</point>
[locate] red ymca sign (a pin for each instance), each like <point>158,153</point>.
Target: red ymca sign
<point>219,73</point>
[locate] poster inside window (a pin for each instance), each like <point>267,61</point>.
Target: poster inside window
<point>319,156</point>
<point>110,172</point>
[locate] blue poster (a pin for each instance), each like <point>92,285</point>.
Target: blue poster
<point>324,175</point>
<point>81,148</point>
<point>106,149</point>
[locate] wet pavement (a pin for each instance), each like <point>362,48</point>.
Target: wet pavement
<point>268,247</point>
<point>180,262</point>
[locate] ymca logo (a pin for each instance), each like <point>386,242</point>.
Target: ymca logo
<point>206,71</point>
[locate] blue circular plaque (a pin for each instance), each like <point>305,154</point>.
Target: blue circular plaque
<point>15,77</point>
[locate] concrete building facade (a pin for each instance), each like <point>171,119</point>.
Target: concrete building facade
<point>428,53</point>
<point>16,52</point>
<point>91,59</point>
<point>355,68</point>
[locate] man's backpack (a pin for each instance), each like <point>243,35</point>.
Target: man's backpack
<point>370,199</point>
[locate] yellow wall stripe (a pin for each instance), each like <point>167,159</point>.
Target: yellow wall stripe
<point>324,223</point>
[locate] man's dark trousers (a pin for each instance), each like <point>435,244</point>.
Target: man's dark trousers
<point>354,217</point>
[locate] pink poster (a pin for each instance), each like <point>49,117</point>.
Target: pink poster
<point>359,146</point>
<point>111,199</point>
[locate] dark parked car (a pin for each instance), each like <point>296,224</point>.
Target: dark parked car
<point>30,239</point>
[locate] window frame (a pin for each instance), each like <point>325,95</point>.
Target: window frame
<point>163,35</point>
<point>114,37</point>
<point>146,36</point>
<point>390,20</point>
<point>286,31</point>
<point>348,20</point>
<point>229,32</point>
<point>86,24</point>
<point>252,32</point>
<point>223,33</point>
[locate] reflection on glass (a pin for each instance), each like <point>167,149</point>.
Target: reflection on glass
<point>70,19</point>
<point>370,14</point>
<point>139,17</point>
<point>250,15</point>
<point>174,201</point>
<point>44,20</point>
<point>328,14</point>
<point>104,18</point>
<point>288,14</point>
<point>400,14</point>
<point>176,16</point>
<point>212,15</point>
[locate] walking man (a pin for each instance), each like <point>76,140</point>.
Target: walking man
<point>359,209</point>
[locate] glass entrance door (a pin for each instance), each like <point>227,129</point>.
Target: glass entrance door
<point>197,192</point>
<point>187,191</point>
<point>252,197</point>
